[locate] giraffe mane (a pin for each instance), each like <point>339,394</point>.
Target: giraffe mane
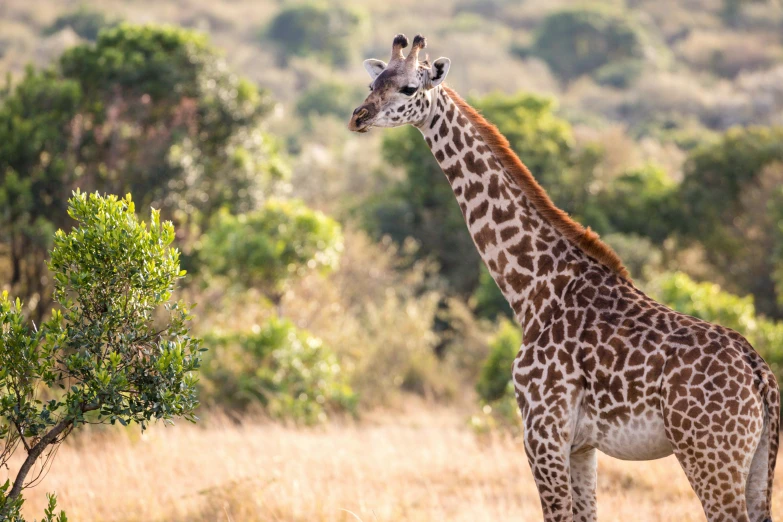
<point>583,238</point>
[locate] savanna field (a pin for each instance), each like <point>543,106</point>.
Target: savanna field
<point>310,297</point>
<point>417,463</point>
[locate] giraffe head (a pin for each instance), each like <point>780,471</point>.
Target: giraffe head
<point>400,91</point>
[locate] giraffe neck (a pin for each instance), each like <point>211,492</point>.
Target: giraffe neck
<point>529,259</point>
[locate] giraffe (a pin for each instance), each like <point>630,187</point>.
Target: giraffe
<point>602,366</point>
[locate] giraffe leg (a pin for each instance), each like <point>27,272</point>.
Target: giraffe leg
<point>720,487</point>
<point>757,484</point>
<point>714,440</point>
<point>548,454</point>
<point>583,481</point>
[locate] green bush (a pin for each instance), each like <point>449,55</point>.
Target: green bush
<point>621,74</point>
<point>270,246</point>
<point>495,386</point>
<point>328,32</point>
<point>287,372</point>
<point>642,201</point>
<point>115,350</point>
<point>729,196</point>
<point>580,41</point>
<point>488,299</point>
<point>640,255</point>
<point>709,302</point>
<point>496,370</point>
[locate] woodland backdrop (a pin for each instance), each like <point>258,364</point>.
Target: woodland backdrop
<point>333,273</point>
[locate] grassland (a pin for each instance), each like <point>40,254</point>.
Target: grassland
<point>422,463</point>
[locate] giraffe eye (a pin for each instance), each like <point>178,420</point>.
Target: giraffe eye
<point>409,91</point>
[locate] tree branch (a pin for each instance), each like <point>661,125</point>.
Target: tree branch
<point>34,452</point>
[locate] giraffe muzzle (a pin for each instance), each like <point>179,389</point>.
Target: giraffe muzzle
<point>359,119</point>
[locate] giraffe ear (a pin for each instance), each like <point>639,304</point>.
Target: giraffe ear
<point>374,67</point>
<point>439,70</point>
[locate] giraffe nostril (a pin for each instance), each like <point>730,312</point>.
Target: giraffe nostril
<point>360,112</point>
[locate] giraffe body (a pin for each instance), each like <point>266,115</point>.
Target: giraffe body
<point>602,366</point>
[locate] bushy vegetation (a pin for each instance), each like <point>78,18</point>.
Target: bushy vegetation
<point>147,110</point>
<point>495,386</point>
<point>288,373</point>
<point>710,302</point>
<point>117,348</point>
<point>266,248</point>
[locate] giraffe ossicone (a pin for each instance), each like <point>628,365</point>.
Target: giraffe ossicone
<point>602,366</point>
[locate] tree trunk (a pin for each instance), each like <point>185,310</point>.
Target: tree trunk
<point>32,456</point>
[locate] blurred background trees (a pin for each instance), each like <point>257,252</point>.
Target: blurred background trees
<point>334,271</point>
<point>146,110</point>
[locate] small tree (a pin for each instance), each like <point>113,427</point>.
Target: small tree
<point>116,350</point>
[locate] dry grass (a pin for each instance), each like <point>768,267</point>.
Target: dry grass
<point>421,464</point>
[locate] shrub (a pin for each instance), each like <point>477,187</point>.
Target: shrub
<point>287,372</point>
<point>619,74</point>
<point>495,386</point>
<point>115,350</point>
<point>488,299</point>
<point>641,201</point>
<point>580,41</point>
<point>640,255</point>
<point>328,32</point>
<point>268,247</point>
<point>496,370</point>
<point>710,302</point>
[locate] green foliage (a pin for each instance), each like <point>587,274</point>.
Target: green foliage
<point>620,74</point>
<point>270,246</point>
<point>717,172</point>
<point>11,508</point>
<point>495,386</point>
<point>488,299</point>
<point>709,302</point>
<point>729,196</point>
<point>116,349</point>
<point>84,21</point>
<point>149,110</point>
<point>496,370</point>
<point>580,41</point>
<point>642,201</point>
<point>327,32</point>
<point>288,372</point>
